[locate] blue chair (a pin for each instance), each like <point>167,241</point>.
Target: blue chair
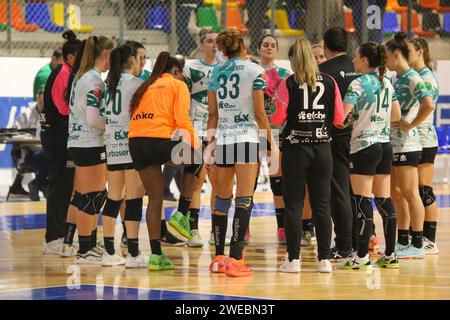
<point>447,22</point>
<point>158,18</point>
<point>390,22</point>
<point>442,135</point>
<point>37,13</point>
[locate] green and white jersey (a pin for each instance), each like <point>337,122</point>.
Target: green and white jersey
<point>372,105</point>
<point>86,92</point>
<point>118,119</point>
<point>427,132</point>
<point>144,75</point>
<point>410,90</point>
<point>234,82</point>
<point>196,75</point>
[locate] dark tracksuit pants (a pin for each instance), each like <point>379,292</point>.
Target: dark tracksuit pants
<point>60,184</point>
<point>307,164</point>
<point>341,208</point>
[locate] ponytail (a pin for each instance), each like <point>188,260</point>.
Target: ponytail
<point>399,43</point>
<point>75,68</point>
<point>119,62</point>
<point>164,63</point>
<point>376,55</point>
<point>93,49</point>
<point>382,67</point>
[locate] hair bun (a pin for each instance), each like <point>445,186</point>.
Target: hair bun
<point>69,35</point>
<point>400,36</point>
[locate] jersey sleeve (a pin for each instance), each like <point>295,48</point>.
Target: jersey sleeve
<point>281,100</point>
<point>418,88</point>
<point>212,76</point>
<point>187,77</point>
<point>94,96</point>
<point>59,91</point>
<point>353,92</point>
<point>258,79</point>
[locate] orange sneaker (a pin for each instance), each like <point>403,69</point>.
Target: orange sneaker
<point>237,268</point>
<point>373,244</point>
<point>218,265</point>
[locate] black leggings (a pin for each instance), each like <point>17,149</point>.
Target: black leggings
<point>307,164</point>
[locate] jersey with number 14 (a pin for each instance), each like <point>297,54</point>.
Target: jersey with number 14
<point>371,112</point>
<point>196,75</point>
<point>234,82</point>
<point>118,119</point>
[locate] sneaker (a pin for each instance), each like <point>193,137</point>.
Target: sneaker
<point>101,244</point>
<point>33,191</point>
<point>90,257</point>
<point>196,241</point>
<point>212,242</point>
<point>430,247</point>
<point>53,247</point>
<point>399,247</point>
<point>218,265</point>
<point>123,242</point>
<point>313,234</point>
<point>411,252</point>
<point>325,266</point>
<point>373,244</point>
<point>390,262</point>
<point>338,255</point>
<point>306,239</point>
<point>68,250</point>
<point>159,262</point>
<point>237,268</point>
<point>247,236</point>
<point>170,240</point>
<point>112,260</point>
<point>181,223</point>
<point>356,262</point>
<point>290,266</point>
<point>98,249</point>
<point>135,262</point>
<point>281,236</point>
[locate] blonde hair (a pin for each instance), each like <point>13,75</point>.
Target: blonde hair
<point>303,63</point>
<point>92,50</point>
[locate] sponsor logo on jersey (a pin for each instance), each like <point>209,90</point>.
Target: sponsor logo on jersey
<point>348,74</point>
<point>76,127</point>
<point>321,133</point>
<point>242,118</point>
<point>120,135</point>
<point>143,116</point>
<point>376,118</point>
<point>226,105</point>
<point>311,116</point>
<point>403,158</point>
<point>123,153</point>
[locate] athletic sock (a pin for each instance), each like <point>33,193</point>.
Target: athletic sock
<point>109,245</point>
<point>280,217</point>
<point>193,222</point>
<point>416,240</point>
<point>387,212</point>
<point>429,230</point>
<point>241,223</point>
<point>70,232</point>
<point>403,237</point>
<point>133,247</point>
<point>94,238</point>
<point>155,246</point>
<point>220,224</point>
<point>183,205</point>
<point>85,244</point>
<point>163,228</point>
<point>124,234</point>
<point>364,212</point>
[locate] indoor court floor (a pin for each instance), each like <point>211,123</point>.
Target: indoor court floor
<point>26,273</point>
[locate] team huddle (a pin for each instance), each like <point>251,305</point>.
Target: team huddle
<point>336,136</point>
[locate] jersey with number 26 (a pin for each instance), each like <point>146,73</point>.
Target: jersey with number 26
<point>234,82</point>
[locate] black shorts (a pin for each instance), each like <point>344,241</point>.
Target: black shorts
<point>149,151</point>
<point>229,154</point>
<point>428,155</point>
<point>372,160</point>
<point>406,159</point>
<point>86,157</point>
<point>120,166</point>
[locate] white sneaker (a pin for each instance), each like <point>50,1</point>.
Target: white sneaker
<point>325,266</point>
<point>196,241</point>
<point>90,257</point>
<point>306,239</point>
<point>290,266</point>
<point>355,262</point>
<point>53,247</point>
<point>136,262</point>
<point>98,249</point>
<point>430,247</point>
<point>112,260</point>
<point>212,242</point>
<point>68,250</point>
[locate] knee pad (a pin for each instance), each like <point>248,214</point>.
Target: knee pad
<point>245,203</point>
<point>112,208</point>
<point>222,205</point>
<point>92,202</point>
<point>275,185</point>
<point>385,208</point>
<point>427,195</point>
<point>133,209</point>
<point>76,198</point>
<point>194,169</point>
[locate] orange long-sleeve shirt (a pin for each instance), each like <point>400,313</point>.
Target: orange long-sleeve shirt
<point>164,109</point>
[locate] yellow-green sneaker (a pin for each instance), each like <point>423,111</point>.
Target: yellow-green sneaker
<point>390,262</point>
<point>180,222</point>
<point>159,262</point>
